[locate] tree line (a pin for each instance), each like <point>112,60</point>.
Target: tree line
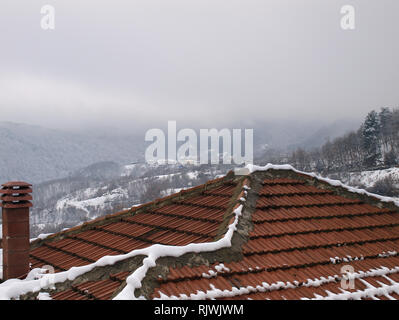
<point>374,144</point>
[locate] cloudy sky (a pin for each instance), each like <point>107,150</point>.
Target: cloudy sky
<point>206,62</point>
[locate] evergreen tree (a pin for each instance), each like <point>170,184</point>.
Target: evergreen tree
<point>370,139</point>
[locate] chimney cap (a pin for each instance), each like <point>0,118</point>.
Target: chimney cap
<point>16,184</point>
<point>15,195</point>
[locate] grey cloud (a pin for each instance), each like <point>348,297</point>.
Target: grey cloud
<point>198,61</point>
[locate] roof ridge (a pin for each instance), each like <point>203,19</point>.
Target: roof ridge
<point>238,195</point>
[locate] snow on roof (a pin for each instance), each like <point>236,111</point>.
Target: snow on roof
<point>36,280</point>
<point>156,251</point>
<point>303,235</point>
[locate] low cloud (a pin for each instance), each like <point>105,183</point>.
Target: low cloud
<point>205,63</point>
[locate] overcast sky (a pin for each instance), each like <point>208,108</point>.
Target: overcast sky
<point>206,62</point>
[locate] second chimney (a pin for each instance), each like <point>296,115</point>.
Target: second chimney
<point>15,206</point>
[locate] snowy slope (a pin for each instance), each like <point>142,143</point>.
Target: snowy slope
<point>88,202</point>
<point>368,178</point>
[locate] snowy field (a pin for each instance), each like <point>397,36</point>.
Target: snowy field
<point>86,200</point>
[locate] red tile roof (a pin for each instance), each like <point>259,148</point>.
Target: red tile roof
<point>302,232</point>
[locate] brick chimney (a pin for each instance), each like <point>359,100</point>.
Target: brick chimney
<point>15,209</point>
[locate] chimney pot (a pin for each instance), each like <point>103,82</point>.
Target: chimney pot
<point>15,203</point>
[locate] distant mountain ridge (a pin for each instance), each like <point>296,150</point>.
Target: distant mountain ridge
<point>37,154</point>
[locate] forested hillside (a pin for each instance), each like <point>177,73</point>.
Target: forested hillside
<point>374,144</point>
